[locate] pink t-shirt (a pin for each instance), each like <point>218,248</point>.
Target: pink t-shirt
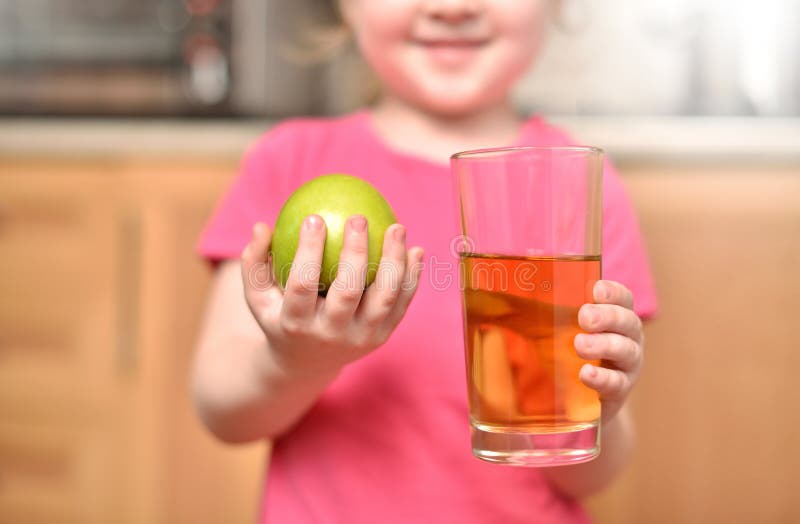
<point>388,441</point>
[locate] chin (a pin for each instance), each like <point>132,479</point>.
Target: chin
<point>456,106</point>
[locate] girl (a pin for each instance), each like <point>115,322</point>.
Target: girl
<point>363,393</point>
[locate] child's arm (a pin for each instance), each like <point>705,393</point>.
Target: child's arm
<point>582,480</point>
<point>265,355</point>
<point>615,337</point>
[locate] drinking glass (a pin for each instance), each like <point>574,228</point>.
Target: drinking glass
<point>530,253</point>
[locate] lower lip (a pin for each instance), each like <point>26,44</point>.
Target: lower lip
<point>452,55</point>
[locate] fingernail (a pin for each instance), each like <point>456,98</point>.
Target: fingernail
<point>592,371</point>
<point>358,223</point>
<point>400,234</point>
<point>593,314</point>
<point>602,291</point>
<point>313,223</point>
<point>585,341</point>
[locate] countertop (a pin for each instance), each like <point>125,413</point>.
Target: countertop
<point>670,139</point>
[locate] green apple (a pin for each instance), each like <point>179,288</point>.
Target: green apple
<point>334,198</point>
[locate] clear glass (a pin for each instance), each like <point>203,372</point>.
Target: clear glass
<point>530,254</point>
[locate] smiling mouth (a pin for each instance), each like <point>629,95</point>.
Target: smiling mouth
<point>452,54</point>
<point>453,44</point>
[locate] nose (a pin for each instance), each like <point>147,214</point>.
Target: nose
<point>452,11</point>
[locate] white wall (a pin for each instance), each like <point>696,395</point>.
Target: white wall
<point>653,57</point>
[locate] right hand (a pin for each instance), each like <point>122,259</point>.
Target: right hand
<point>309,334</point>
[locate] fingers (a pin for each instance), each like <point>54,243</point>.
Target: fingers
<point>611,384</point>
<point>407,290</point>
<point>259,284</point>
<point>621,351</point>
<point>346,289</point>
<point>302,286</point>
<point>610,292</point>
<point>612,318</point>
<point>380,298</point>
<point>615,337</point>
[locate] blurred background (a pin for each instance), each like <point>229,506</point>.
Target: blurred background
<point>122,122</point>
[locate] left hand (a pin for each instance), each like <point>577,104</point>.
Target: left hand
<point>614,336</point>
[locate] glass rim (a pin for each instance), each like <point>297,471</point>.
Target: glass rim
<point>488,152</point>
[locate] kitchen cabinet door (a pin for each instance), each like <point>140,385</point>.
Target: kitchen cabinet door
<point>65,375</point>
<point>716,403</point>
<point>192,478</point>
<point>100,302</point>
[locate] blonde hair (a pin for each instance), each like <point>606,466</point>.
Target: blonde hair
<point>323,39</point>
<point>321,35</point>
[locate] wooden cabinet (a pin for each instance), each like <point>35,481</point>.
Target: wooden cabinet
<point>716,405</point>
<point>192,477</point>
<point>101,295</point>
<point>100,301</point>
<point>63,380</point>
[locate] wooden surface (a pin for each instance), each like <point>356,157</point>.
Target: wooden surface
<point>102,294</point>
<point>100,301</point>
<point>195,479</point>
<point>717,405</point>
<point>61,380</point>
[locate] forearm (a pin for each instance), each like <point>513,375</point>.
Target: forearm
<point>243,394</point>
<point>616,444</point>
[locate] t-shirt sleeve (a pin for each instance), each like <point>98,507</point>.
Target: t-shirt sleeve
<point>256,195</point>
<point>624,253</point>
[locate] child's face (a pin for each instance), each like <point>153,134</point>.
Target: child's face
<point>450,57</point>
